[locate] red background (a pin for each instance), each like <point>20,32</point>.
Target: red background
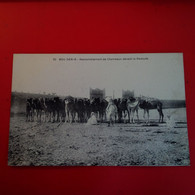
<point>96,27</point>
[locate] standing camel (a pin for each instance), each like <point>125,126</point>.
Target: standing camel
<point>147,104</point>
<point>132,107</point>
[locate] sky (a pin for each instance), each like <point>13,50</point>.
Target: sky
<point>154,75</point>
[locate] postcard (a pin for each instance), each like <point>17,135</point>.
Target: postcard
<point>98,110</point>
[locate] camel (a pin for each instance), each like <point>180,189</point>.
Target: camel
<point>148,104</point>
<point>132,107</point>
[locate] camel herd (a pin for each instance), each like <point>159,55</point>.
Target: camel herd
<point>72,109</point>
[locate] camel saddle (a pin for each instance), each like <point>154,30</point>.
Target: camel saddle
<point>133,104</point>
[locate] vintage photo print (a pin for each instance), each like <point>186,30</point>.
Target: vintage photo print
<point>98,110</point>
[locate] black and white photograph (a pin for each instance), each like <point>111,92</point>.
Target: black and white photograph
<point>98,110</point>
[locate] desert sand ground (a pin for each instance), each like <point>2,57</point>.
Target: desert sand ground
<point>64,144</point>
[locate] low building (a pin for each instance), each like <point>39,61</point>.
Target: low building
<point>127,94</point>
<point>97,93</point>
